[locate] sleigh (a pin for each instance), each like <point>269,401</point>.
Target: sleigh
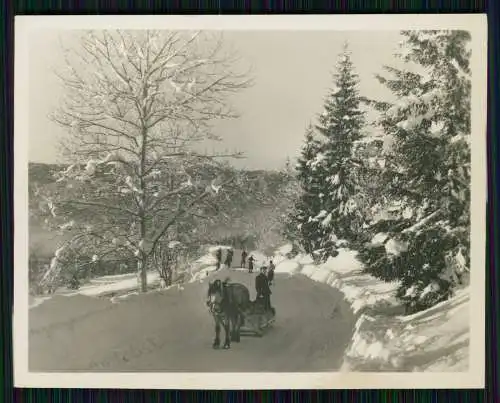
<point>257,319</point>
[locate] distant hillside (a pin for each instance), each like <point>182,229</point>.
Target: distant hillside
<point>252,207</point>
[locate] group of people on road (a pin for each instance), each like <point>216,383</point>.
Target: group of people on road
<point>264,279</point>
<point>229,258</point>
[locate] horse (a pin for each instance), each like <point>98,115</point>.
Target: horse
<point>227,302</point>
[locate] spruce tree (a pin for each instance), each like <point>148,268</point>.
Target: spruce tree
<point>340,125</point>
<point>300,227</point>
<point>428,170</point>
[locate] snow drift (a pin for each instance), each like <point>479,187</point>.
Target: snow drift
<point>436,339</point>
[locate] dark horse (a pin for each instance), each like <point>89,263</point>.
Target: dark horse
<point>227,302</point>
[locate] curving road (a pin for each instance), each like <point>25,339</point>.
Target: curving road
<point>171,330</point>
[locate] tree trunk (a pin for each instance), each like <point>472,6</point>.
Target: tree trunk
<point>142,274</point>
<point>142,214</point>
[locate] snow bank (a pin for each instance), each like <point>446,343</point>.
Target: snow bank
<point>284,250</point>
<point>308,270</point>
<point>287,266</point>
<point>119,286</point>
<point>206,264</point>
<point>436,339</point>
<point>113,278</point>
<point>304,259</point>
<point>118,298</point>
<point>345,273</point>
<point>126,284</point>
<point>213,249</point>
<point>35,301</point>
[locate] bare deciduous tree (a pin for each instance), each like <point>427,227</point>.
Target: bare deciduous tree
<point>136,105</point>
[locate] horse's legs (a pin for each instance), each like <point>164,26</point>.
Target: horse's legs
<point>216,343</point>
<point>227,341</point>
<point>239,323</point>
<point>236,323</point>
<point>233,329</point>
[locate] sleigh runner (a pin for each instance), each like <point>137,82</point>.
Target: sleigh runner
<point>257,319</point>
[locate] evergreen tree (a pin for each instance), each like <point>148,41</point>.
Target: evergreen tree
<point>428,169</point>
<point>340,125</point>
<point>299,227</point>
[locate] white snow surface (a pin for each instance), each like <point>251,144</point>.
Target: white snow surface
<point>436,339</point>
<point>127,284</point>
<point>287,266</point>
<point>345,273</point>
<point>102,287</point>
<point>260,259</point>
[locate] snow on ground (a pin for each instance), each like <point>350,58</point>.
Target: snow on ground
<point>112,278</point>
<point>260,259</point>
<point>213,249</point>
<point>287,266</point>
<point>35,301</point>
<point>436,339</point>
<point>345,273</point>
<point>126,284</point>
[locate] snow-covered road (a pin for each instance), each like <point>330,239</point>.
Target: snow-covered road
<point>331,316</point>
<point>171,330</point>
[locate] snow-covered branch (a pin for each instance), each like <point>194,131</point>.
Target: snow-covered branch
<point>185,209</point>
<point>137,103</point>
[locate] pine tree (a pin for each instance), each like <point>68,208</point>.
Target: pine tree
<point>340,125</point>
<point>428,170</point>
<point>299,227</point>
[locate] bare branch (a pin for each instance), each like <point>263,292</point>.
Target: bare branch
<point>182,211</point>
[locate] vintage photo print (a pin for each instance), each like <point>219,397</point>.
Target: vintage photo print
<point>250,202</point>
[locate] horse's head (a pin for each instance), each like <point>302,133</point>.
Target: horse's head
<point>214,296</point>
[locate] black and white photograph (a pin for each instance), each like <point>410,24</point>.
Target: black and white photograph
<point>250,201</point>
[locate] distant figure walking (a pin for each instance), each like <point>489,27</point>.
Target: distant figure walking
<point>218,256</point>
<point>250,264</point>
<point>270,272</point>
<point>229,258</point>
<point>244,255</point>
<point>262,288</point>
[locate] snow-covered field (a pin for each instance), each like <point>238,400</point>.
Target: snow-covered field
<point>436,339</point>
<point>126,285</point>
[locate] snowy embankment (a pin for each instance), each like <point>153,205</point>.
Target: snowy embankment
<point>124,285</point>
<point>436,339</point>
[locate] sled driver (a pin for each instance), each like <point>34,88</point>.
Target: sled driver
<point>262,288</point>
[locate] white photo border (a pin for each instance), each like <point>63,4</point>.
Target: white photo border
<point>476,24</point>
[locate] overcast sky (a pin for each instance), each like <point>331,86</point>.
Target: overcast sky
<point>292,73</point>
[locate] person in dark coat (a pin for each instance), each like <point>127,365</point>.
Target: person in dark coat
<point>262,288</point>
<point>218,256</point>
<point>270,272</point>
<point>229,258</point>
<point>244,255</point>
<point>250,264</point>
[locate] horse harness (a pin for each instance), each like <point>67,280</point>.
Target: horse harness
<point>216,307</point>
